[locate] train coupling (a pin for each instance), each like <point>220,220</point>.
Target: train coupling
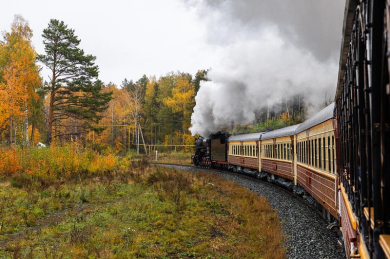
<point>333,225</point>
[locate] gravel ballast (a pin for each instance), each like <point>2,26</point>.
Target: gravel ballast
<point>305,230</point>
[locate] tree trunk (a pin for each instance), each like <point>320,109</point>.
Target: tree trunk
<point>10,130</point>
<point>26,123</point>
<point>50,120</point>
<point>32,132</point>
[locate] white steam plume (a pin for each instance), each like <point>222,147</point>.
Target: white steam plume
<point>266,58</point>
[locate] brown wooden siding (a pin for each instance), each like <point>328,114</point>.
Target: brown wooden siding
<point>321,187</point>
<point>283,169</point>
<point>349,233</point>
<point>249,162</point>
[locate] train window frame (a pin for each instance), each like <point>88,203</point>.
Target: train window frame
<point>323,154</point>
<point>312,153</point>
<point>329,158</point>
<point>299,152</point>
<point>280,152</point>
<point>306,152</point>
<point>333,158</point>
<point>284,151</point>
<point>319,154</point>
<point>310,156</point>
<point>315,153</point>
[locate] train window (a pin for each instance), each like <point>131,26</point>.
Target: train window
<point>309,153</point>
<point>323,153</point>
<point>288,151</point>
<point>315,153</point>
<point>319,154</point>
<point>284,152</point>
<point>274,151</point>
<point>306,153</point>
<point>329,169</point>
<point>280,151</point>
<point>312,153</point>
<point>333,158</point>
<point>299,152</point>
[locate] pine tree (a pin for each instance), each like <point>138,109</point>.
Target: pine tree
<point>74,88</point>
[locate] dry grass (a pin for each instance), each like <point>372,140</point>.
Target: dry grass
<point>172,158</point>
<point>139,212</point>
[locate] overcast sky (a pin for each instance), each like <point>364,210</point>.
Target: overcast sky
<point>128,38</point>
<point>259,51</point>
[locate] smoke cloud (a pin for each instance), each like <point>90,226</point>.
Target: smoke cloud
<point>267,51</point>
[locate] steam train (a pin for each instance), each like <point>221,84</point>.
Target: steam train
<point>338,159</point>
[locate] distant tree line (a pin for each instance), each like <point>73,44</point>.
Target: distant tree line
<point>74,105</point>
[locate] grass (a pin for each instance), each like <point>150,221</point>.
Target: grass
<point>179,158</point>
<point>133,211</point>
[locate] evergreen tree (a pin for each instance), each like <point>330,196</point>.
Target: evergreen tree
<point>201,75</point>
<point>74,88</point>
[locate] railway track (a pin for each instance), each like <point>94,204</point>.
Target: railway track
<point>306,232</point>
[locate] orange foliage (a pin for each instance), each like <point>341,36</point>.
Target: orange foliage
<point>56,161</point>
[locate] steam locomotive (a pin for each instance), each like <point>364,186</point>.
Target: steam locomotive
<point>339,158</point>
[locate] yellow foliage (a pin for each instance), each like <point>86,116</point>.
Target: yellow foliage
<point>182,95</point>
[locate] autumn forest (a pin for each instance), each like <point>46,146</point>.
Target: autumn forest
<point>74,105</point>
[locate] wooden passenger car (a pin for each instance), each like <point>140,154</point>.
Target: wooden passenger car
<point>316,159</point>
<point>277,152</point>
<point>244,151</point>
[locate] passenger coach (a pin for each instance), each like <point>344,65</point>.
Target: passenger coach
<point>316,159</point>
<point>244,153</point>
<point>277,152</point>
